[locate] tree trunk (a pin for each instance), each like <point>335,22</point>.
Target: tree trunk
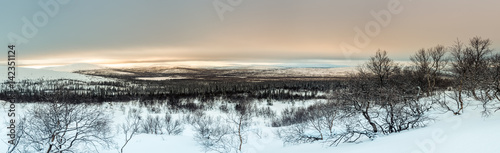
<point>367,117</point>
<point>52,140</point>
<point>239,133</point>
<point>461,102</point>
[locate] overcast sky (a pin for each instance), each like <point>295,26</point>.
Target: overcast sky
<point>105,31</point>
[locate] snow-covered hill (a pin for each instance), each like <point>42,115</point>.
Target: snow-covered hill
<point>75,67</point>
<point>34,74</point>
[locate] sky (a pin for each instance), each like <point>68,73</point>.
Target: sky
<point>51,32</point>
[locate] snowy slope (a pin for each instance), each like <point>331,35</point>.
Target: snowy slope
<point>29,73</point>
<point>458,134</point>
<point>75,67</point>
<point>467,133</point>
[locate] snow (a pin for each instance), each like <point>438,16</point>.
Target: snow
<point>119,72</point>
<point>160,144</point>
<point>457,134</point>
<point>466,133</point>
<point>160,78</point>
<point>75,67</point>
<point>34,74</point>
<point>310,72</point>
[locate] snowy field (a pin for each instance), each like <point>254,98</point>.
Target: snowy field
<point>466,133</point>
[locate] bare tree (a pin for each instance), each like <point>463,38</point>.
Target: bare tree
<point>489,95</point>
<point>381,66</point>
<point>351,132</point>
<point>213,135</point>
<point>318,123</point>
<point>360,95</point>
<point>461,69</point>
<point>478,52</point>
<point>382,94</point>
<point>295,134</point>
<point>63,127</point>
<point>401,111</point>
<point>130,127</point>
<point>428,66</point>
<point>439,63</point>
<point>240,119</point>
<point>422,63</point>
<point>152,125</point>
<point>224,134</point>
<point>172,127</point>
<point>451,102</point>
<point>470,65</point>
<point>495,75</point>
<point>494,79</point>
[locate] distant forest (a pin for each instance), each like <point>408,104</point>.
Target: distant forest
<point>75,91</point>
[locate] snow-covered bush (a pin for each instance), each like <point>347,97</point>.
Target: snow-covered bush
<point>171,126</point>
<point>213,135</point>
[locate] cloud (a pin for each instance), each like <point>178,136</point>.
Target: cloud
<point>256,29</point>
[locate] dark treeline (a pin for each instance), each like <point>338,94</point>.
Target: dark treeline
<point>174,92</point>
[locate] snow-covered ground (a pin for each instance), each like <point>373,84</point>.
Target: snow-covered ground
<point>466,133</point>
